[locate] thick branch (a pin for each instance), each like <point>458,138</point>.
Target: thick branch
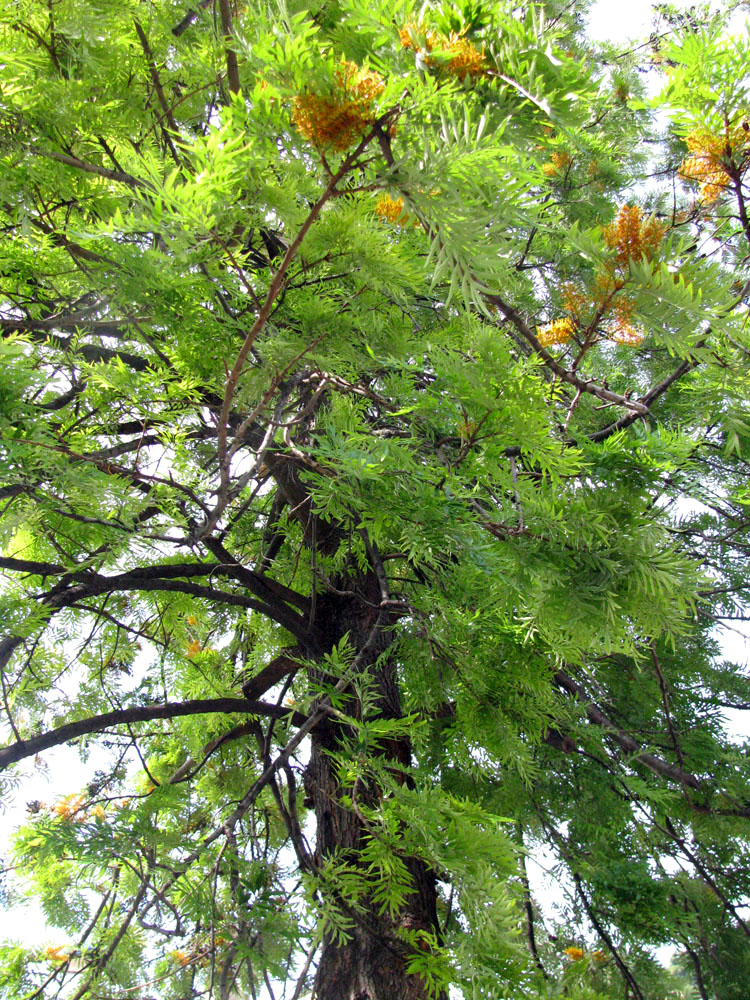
<point>583,385</point>
<point>653,394</point>
<point>90,168</point>
<point>233,71</point>
<point>623,739</point>
<point>142,713</point>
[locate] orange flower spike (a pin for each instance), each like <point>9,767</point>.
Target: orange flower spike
<point>336,120</point>
<point>68,807</point>
<point>631,237</point>
<point>561,159</point>
<point>573,953</point>
<point>707,164</point>
<point>391,209</point>
<point>467,59</point>
<point>413,33</point>
<point>56,953</point>
<point>624,331</point>
<point>180,957</point>
<point>574,300</point>
<point>558,332</point>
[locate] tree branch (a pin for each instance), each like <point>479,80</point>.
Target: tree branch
<point>22,749</point>
<point>623,739</point>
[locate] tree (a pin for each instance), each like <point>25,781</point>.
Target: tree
<point>375,475</point>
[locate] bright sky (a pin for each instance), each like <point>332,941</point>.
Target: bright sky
<point>621,20</point>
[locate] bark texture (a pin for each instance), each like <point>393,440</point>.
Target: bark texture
<point>371,965</point>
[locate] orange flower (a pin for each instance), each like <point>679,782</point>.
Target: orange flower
<point>559,331</point>
<point>181,957</point>
<point>392,210</point>
<point>193,649</point>
<point>711,156</point>
<point>573,953</point>
<point>69,808</point>
<point>464,58</point>
<point>574,299</point>
<point>632,237</point>
<point>622,329</point>
<point>56,953</point>
<point>338,119</point>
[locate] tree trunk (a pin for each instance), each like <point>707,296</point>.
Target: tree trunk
<point>371,964</point>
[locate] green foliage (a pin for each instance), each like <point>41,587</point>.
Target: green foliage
<point>374,449</point>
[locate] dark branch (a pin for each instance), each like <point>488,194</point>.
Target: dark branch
<point>142,713</point>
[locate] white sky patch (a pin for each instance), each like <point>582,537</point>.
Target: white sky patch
<point>627,20</point>
<point>613,20</point>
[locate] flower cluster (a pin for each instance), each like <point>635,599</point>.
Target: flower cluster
<point>199,954</point>
<point>182,958</point>
<point>573,953</point>
<point>71,809</point>
<point>56,953</point>
<point>632,237</point>
<point>711,155</point>
<point>621,328</point>
<point>560,160</point>
<point>392,210</point>
<point>460,57</point>
<point>558,332</point>
<point>338,119</point>
<point>605,308</point>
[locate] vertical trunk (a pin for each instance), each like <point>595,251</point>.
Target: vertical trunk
<point>371,965</point>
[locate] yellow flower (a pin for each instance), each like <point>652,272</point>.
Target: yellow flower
<point>193,648</point>
<point>338,119</point>
<point>573,953</point>
<point>56,953</point>
<point>98,812</point>
<point>465,59</point>
<point>69,808</point>
<point>392,210</point>
<point>710,157</point>
<point>560,160</point>
<point>622,329</point>
<point>180,957</point>
<point>191,620</point>
<point>558,332</point>
<point>632,237</point>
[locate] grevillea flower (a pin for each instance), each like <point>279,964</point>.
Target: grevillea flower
<point>632,237</point>
<point>559,331</point>
<point>711,156</point>
<point>461,57</point>
<point>573,953</point>
<point>392,210</point>
<point>559,161</point>
<point>337,119</point>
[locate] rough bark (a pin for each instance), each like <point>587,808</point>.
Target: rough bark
<point>371,965</point>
